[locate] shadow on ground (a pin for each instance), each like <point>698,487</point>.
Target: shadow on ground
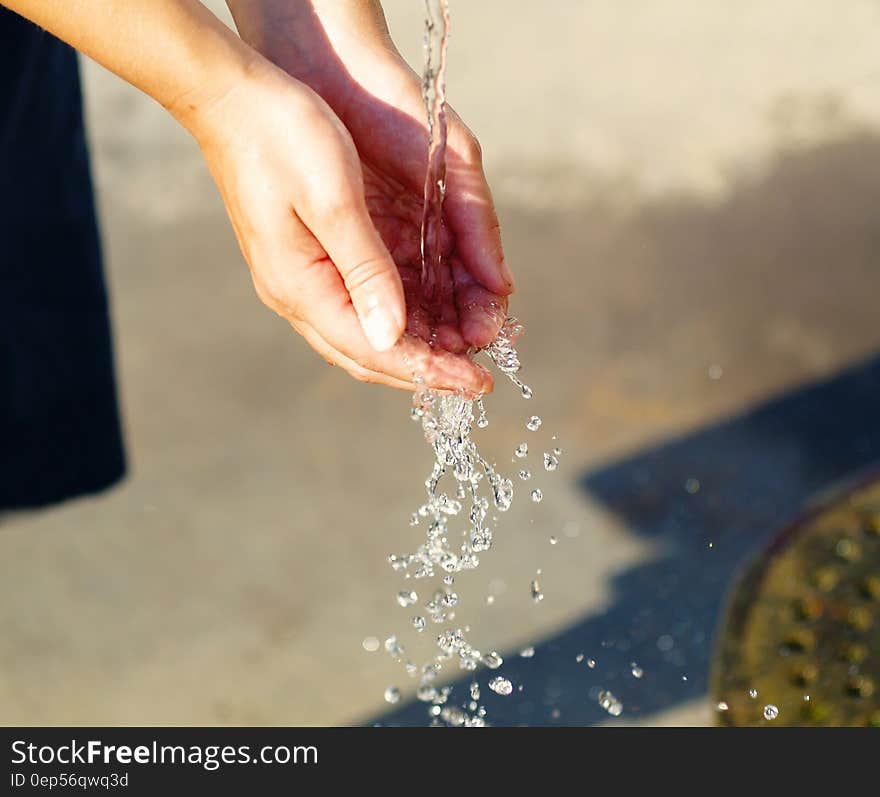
<point>708,500</point>
<point>794,250</point>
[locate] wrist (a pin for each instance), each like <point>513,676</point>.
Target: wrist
<point>219,69</point>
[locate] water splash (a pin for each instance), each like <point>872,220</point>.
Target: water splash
<point>551,461</point>
<point>501,686</point>
<point>464,491</point>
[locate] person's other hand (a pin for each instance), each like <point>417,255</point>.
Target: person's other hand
<point>342,50</point>
<point>294,190</point>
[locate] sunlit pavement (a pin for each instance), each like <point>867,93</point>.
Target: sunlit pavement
<point>688,198</point>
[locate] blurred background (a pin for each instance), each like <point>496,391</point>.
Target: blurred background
<point>689,192</point>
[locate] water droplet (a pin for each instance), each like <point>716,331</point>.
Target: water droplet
<point>533,424</point>
<point>475,692</point>
<point>715,372</point>
<point>525,475</point>
<point>535,588</point>
<point>753,693</point>
<point>490,599</point>
<point>692,486</point>
<point>398,563</point>
<point>427,694</point>
<point>637,672</point>
<point>579,658</point>
<point>406,598</point>
<point>722,706</point>
<point>551,462</point>
<point>371,644</point>
<point>392,694</point>
<point>395,649</point>
<point>527,653</point>
<point>449,562</point>
<point>521,451</point>
<point>492,660</point>
<point>591,663</point>
<point>537,496</point>
<point>771,712</point>
<point>419,623</point>
<point>610,703</point>
<point>482,420</point>
<point>553,540</point>
<point>526,392</point>
<point>501,686</point>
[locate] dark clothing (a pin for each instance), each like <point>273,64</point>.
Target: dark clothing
<point>59,424</point>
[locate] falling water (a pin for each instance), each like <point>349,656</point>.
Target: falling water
<point>434,94</point>
<point>462,484</point>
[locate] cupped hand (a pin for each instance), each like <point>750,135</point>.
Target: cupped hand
<point>308,219</point>
<point>342,50</point>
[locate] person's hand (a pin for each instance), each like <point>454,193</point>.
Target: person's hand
<point>341,48</point>
<point>294,190</point>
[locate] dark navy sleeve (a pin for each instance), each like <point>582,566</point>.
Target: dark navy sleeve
<point>59,421</point>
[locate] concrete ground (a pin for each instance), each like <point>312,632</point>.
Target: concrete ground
<point>688,194</point>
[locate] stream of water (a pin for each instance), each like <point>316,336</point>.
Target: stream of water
<point>464,492</point>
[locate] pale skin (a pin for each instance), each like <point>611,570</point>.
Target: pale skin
<point>312,127</point>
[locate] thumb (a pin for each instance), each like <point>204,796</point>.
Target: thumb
<point>367,269</point>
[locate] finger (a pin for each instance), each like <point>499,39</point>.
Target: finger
<point>323,304</point>
<point>345,231</point>
<point>481,312</point>
<point>470,210</point>
<point>337,358</point>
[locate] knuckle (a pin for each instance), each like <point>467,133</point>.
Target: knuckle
<point>363,272</point>
<point>338,205</point>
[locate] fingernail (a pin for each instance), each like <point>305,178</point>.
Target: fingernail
<point>507,276</point>
<point>380,327</point>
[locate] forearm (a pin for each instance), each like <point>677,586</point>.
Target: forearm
<point>176,51</point>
